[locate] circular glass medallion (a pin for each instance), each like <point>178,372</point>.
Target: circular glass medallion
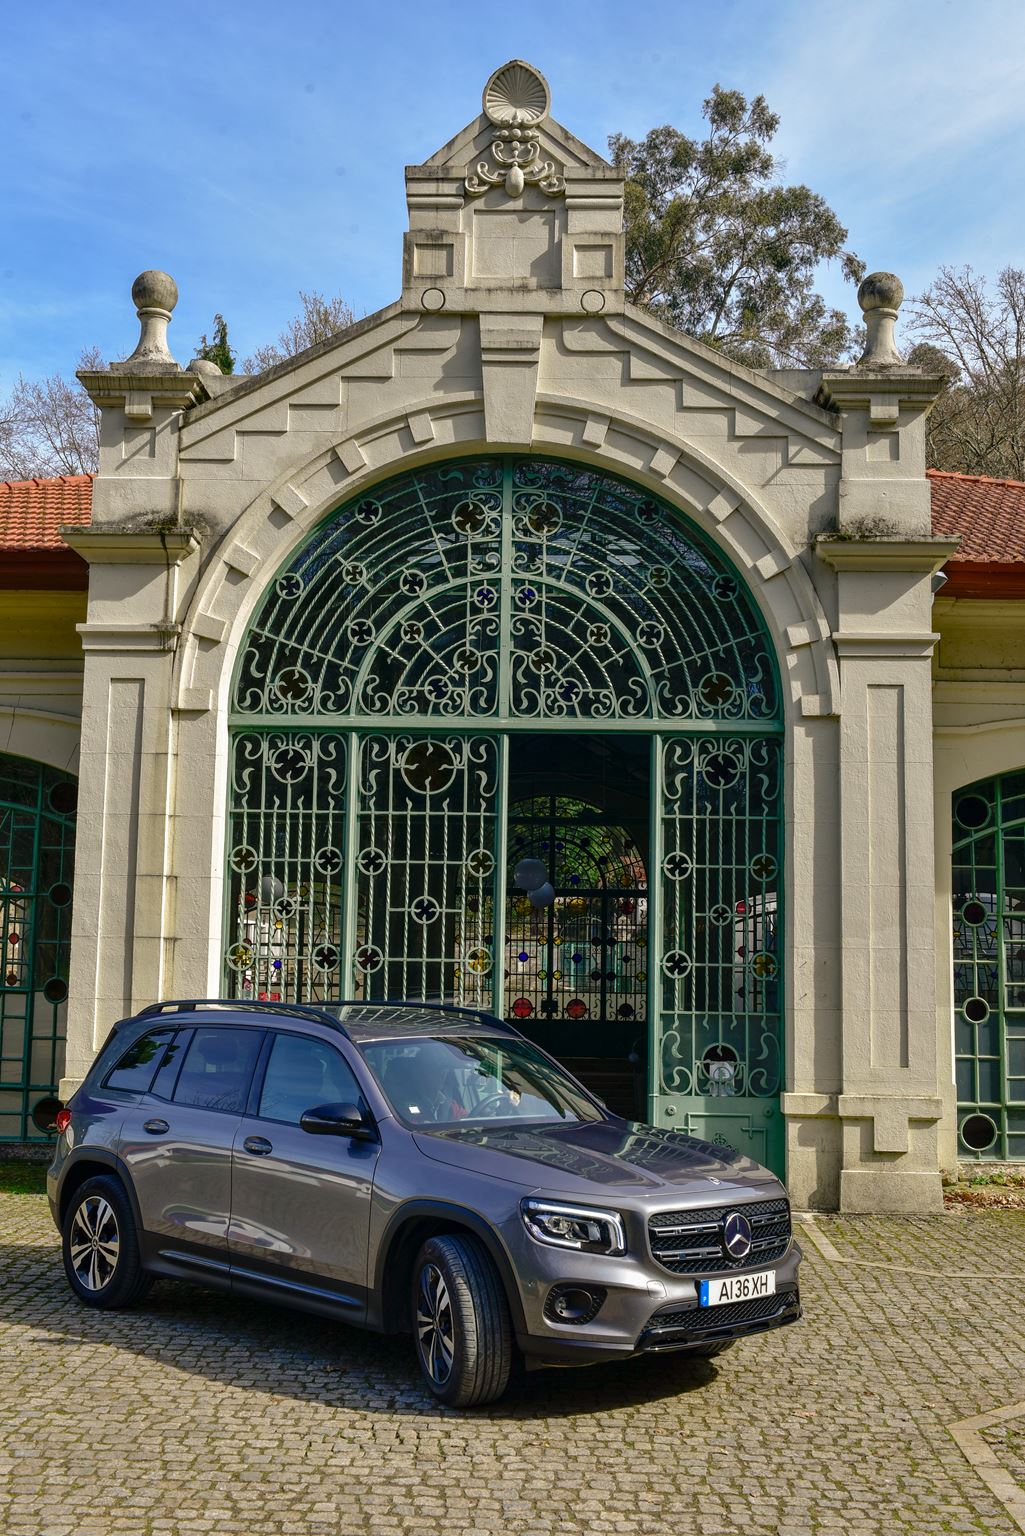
<point>64,798</point>
<point>60,894</point>
<point>975,1010</point>
<point>978,1132</point>
<point>522,1008</point>
<point>972,811</point>
<point>55,990</point>
<point>764,965</point>
<point>576,1008</point>
<point>478,960</point>
<point>239,957</point>
<point>974,913</point>
<point>428,766</point>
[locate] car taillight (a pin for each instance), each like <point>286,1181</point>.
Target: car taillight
<point>62,1119</point>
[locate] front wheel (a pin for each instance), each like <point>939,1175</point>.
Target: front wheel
<point>101,1246</point>
<point>461,1320</point>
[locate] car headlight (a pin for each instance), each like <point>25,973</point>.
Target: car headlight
<point>574,1226</point>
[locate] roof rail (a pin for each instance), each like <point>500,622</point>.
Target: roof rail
<point>391,1002</point>
<point>237,1005</point>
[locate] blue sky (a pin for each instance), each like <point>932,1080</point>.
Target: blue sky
<point>251,149</point>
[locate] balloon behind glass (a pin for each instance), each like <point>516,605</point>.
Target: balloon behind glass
<point>529,874</point>
<point>543,896</point>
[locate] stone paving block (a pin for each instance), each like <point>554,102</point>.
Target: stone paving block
<point>199,1414</point>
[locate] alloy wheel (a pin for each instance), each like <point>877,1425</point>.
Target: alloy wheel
<point>94,1243</point>
<point>434,1325</point>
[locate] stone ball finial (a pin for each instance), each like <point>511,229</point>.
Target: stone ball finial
<point>880,296</point>
<point>155,294</point>
<point>881,290</point>
<point>205,367</point>
<point>155,290</point>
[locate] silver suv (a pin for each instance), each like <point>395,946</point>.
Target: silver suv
<point>410,1169</point>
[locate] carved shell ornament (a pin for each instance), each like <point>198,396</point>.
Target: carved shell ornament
<point>516,99</point>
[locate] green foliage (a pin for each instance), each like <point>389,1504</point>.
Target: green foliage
<point>717,247</point>
<point>218,350</point>
<point>22,1178</point>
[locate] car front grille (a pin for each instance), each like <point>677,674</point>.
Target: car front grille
<point>669,1327</point>
<point>691,1242</point>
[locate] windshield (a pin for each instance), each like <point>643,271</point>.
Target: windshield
<point>451,1080</point>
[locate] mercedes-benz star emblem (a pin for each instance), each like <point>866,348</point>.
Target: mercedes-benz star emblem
<point>736,1235</point>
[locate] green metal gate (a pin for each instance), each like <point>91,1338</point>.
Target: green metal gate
<point>37,849</point>
<point>989,967</point>
<point>424,628</point>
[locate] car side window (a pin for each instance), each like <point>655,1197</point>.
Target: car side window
<point>301,1074</point>
<point>162,1086</point>
<point>134,1072</point>
<point>218,1069</point>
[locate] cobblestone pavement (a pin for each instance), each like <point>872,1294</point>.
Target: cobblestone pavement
<point>198,1414</point>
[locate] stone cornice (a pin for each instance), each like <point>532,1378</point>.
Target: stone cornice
<point>880,391</point>
<point>137,393</point>
<point>112,546</point>
<point>884,554</point>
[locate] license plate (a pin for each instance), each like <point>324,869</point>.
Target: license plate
<point>715,1293</point>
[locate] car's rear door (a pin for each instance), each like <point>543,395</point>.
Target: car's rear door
<point>177,1140</point>
<point>300,1208</point>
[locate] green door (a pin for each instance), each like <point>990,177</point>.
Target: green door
<point>718,1022</point>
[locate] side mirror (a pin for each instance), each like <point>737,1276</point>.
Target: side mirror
<point>338,1120</point>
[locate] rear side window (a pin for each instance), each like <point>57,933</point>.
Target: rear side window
<point>134,1072</point>
<point>218,1069</point>
<point>167,1072</point>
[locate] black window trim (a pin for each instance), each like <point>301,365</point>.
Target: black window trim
<point>185,1034</point>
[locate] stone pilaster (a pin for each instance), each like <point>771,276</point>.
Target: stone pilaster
<point>890,1101</point>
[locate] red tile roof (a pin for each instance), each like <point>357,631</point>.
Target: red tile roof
<point>32,511</point>
<point>988,514</point>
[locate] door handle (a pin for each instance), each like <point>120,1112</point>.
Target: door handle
<point>258,1145</point>
<point>156,1127</point>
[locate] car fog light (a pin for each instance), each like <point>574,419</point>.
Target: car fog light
<point>574,1303</point>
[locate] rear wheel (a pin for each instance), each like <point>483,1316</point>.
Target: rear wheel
<point>461,1321</point>
<point>101,1246</point>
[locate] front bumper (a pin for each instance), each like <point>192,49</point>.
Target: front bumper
<point>645,1308</point>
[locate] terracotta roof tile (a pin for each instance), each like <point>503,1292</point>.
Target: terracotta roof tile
<point>988,514</point>
<point>32,511</point>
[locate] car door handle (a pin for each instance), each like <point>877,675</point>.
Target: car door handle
<point>259,1146</point>
<point>156,1127</point>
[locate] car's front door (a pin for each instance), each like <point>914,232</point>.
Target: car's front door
<point>176,1141</point>
<point>300,1206</point>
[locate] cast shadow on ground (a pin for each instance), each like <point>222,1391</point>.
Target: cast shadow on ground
<point>265,1348</point>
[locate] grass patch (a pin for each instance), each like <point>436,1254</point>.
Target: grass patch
<point>22,1178</point>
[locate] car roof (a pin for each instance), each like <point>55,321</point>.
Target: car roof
<point>358,1021</point>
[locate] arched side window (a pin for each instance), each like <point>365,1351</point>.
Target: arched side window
<point>37,849</point>
<point>988,883</point>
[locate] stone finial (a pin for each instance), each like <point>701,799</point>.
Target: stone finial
<point>880,296</point>
<point>155,295</point>
<point>205,367</point>
<point>516,101</point>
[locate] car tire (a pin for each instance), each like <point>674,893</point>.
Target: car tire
<point>100,1246</point>
<point>461,1324</point>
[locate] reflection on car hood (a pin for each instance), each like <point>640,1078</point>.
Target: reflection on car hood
<point>609,1152</point>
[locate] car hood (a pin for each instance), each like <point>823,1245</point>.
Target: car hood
<point>612,1154</point>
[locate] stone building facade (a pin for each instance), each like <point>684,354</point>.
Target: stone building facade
<point>513,650</point>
